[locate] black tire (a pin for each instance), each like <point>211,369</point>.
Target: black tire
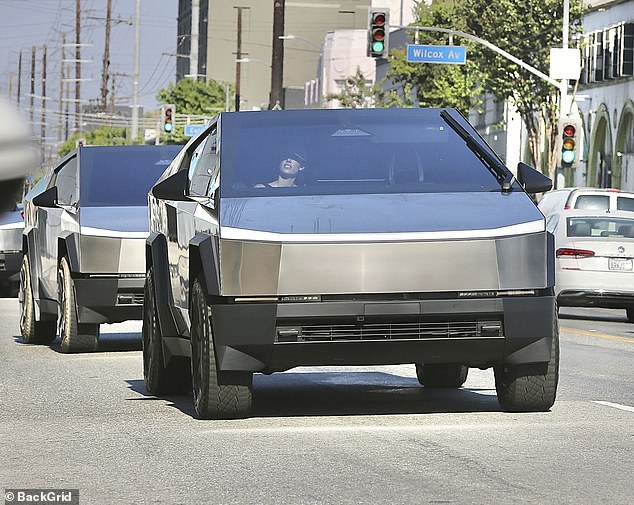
<point>75,337</point>
<point>211,399</point>
<point>529,387</point>
<point>33,332</point>
<point>443,375</point>
<point>160,379</point>
<point>630,314</point>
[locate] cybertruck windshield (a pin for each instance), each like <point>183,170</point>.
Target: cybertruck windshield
<point>348,152</point>
<point>113,176</point>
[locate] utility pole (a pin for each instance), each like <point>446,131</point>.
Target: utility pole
<point>19,77</point>
<point>193,42</point>
<point>43,125</point>
<point>135,77</point>
<point>62,84</point>
<point>106,59</point>
<point>276,98</point>
<point>77,65</point>
<point>238,54</point>
<point>32,98</point>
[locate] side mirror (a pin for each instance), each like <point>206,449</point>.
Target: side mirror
<point>532,180</point>
<point>47,198</point>
<point>172,188</point>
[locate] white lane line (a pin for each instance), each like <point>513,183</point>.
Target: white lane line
<point>616,406</point>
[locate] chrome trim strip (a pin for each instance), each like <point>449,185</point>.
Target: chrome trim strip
<point>100,232</point>
<point>227,232</point>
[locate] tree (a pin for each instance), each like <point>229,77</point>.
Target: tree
<point>102,136</point>
<point>455,86</point>
<point>526,30</point>
<point>199,99</point>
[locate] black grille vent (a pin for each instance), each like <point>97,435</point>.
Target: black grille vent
<point>130,298</point>
<point>389,331</point>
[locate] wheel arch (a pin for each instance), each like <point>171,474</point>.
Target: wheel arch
<point>204,258</point>
<point>68,246</point>
<point>156,258</point>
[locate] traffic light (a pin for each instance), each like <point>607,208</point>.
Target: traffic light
<point>571,130</point>
<point>168,113</point>
<point>378,32</point>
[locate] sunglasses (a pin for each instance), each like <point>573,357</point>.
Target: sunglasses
<point>295,156</point>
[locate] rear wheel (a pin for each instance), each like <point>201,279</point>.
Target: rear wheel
<point>75,336</point>
<point>530,387</point>
<point>33,332</point>
<point>212,400</point>
<point>443,375</point>
<point>630,314</point>
<point>160,379</point>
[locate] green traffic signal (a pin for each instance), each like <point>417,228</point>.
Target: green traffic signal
<point>378,46</point>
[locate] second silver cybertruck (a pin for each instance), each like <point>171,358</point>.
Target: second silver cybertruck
<point>347,237</point>
<point>83,242</point>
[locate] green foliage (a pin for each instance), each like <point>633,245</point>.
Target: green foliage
<point>102,136</point>
<point>193,98</point>
<point>455,86</point>
<point>526,30</point>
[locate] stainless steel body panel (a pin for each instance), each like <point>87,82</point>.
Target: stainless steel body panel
<point>380,244</point>
<point>253,268</point>
<point>112,240</point>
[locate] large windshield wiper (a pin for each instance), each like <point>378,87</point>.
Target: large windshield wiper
<point>493,162</point>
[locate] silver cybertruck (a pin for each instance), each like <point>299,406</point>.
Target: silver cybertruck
<point>347,237</point>
<point>84,234</point>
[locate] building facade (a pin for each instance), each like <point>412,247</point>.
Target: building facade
<point>605,96</point>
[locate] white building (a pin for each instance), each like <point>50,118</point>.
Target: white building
<point>344,51</point>
<point>605,96</point>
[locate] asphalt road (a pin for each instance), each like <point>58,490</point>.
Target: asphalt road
<point>318,435</point>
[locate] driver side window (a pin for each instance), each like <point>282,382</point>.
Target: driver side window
<point>202,167</point>
<point>66,183</point>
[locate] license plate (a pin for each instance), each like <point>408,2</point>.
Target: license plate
<point>620,264</point>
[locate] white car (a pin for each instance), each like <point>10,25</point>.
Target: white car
<point>590,199</point>
<point>594,256</point>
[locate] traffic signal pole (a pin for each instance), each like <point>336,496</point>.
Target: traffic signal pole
<point>488,44</point>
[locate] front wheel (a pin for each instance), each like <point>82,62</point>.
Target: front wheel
<point>441,375</point>
<point>530,387</point>
<point>212,400</point>
<point>630,314</point>
<point>160,379</point>
<point>75,337</point>
<point>33,332</point>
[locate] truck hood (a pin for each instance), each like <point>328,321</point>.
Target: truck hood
<point>378,217</point>
<point>127,222</point>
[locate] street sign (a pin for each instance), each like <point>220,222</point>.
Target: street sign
<point>191,130</point>
<point>453,55</point>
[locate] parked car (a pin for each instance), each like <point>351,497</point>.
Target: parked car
<point>347,237</point>
<point>84,235</point>
<point>599,199</point>
<point>594,259</point>
<point>11,226</point>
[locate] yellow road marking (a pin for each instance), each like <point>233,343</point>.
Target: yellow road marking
<point>597,334</point>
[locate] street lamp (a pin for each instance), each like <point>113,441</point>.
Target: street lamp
<point>253,60</point>
<point>290,36</point>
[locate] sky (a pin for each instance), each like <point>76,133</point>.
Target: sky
<point>27,23</point>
